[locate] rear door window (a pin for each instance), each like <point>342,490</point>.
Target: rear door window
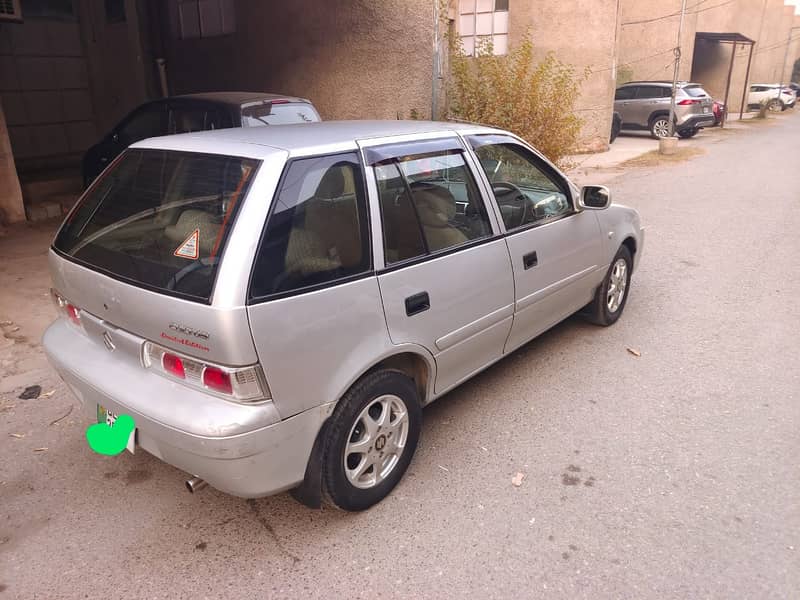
<point>317,232</point>
<point>646,92</point>
<point>625,93</point>
<point>429,203</point>
<point>159,219</point>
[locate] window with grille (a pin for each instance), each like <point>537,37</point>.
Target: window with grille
<point>483,21</point>
<point>9,11</point>
<point>205,18</point>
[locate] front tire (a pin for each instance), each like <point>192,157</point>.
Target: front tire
<point>610,298</point>
<point>371,439</point>
<point>688,133</point>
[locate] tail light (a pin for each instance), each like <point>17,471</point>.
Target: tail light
<point>246,385</point>
<point>689,101</point>
<point>66,309</point>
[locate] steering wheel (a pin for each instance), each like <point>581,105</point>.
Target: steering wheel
<point>502,188</point>
<point>191,268</point>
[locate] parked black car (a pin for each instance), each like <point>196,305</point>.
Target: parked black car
<point>616,126</point>
<point>195,112</point>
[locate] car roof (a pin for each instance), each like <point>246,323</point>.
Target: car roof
<point>301,138</point>
<point>237,98</point>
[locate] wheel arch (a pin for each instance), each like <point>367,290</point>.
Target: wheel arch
<point>411,360</point>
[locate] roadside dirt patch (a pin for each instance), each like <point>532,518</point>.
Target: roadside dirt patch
<point>654,159</point>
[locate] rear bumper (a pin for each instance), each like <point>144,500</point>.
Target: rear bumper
<point>199,434</point>
<point>697,121</point>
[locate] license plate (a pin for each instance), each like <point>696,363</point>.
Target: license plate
<point>706,109</point>
<point>109,418</point>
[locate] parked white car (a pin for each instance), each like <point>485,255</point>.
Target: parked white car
<point>768,92</point>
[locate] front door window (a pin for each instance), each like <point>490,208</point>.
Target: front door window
<point>526,192</point>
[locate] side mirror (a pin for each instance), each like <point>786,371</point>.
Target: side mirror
<point>596,197</point>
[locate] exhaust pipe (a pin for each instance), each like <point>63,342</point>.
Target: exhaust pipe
<point>195,484</point>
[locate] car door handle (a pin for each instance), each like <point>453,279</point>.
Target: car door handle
<point>417,303</point>
<point>530,260</point>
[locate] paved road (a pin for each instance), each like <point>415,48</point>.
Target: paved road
<point>670,475</point>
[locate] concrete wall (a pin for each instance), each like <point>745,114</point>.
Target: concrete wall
<point>648,34</point>
<point>771,47</point>
<point>352,58</point>
<point>794,49</point>
<point>582,34</point>
<point>11,207</point>
<point>44,86</point>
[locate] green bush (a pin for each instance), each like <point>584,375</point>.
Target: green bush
<point>535,100</point>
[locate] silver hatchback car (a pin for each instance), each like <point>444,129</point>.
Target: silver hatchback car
<point>274,306</point>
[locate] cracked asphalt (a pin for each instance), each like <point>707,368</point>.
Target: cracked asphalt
<point>673,474</point>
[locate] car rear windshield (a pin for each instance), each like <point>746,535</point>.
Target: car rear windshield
<point>695,91</point>
<point>159,219</point>
<point>278,114</point>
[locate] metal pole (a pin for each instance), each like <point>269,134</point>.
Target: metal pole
<point>675,74</point>
<point>435,71</point>
<point>728,86</point>
<point>746,83</point>
<point>785,57</point>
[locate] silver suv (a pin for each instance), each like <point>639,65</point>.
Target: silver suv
<point>644,105</point>
<point>274,306</point>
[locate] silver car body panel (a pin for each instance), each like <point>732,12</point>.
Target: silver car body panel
<point>313,346</point>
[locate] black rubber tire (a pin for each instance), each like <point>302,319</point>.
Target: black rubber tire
<point>336,487</point>
<point>775,102</point>
<point>616,127</point>
<point>688,133</point>
<point>652,124</point>
<point>597,310</point>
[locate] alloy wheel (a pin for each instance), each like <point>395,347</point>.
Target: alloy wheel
<point>617,284</point>
<point>661,128</point>
<point>376,441</point>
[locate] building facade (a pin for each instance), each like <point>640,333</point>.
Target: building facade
<point>70,69</point>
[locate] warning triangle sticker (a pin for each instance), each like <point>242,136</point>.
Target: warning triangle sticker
<point>191,247</point>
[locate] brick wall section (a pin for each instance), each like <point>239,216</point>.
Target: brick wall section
<point>352,58</point>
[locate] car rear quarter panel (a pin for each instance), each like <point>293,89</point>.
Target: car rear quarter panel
<point>314,346</point>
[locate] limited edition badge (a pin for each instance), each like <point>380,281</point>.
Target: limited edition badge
<point>190,248</point>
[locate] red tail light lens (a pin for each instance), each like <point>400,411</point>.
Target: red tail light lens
<point>217,380</point>
<point>66,309</point>
<point>687,102</point>
<point>173,365</point>
<point>245,385</point>
<point>73,314</point>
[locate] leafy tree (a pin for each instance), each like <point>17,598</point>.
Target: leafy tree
<point>535,100</point>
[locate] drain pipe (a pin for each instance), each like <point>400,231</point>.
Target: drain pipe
<point>195,484</point>
<point>162,76</point>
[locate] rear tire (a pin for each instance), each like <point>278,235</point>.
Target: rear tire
<point>371,438</point>
<point>775,105</point>
<point>610,298</point>
<point>659,126</point>
<point>688,133</point>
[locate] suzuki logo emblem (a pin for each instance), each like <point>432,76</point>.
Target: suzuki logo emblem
<point>108,341</point>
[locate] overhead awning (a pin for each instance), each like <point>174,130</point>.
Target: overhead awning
<point>725,38</point>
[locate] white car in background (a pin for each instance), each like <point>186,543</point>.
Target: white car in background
<point>768,92</point>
